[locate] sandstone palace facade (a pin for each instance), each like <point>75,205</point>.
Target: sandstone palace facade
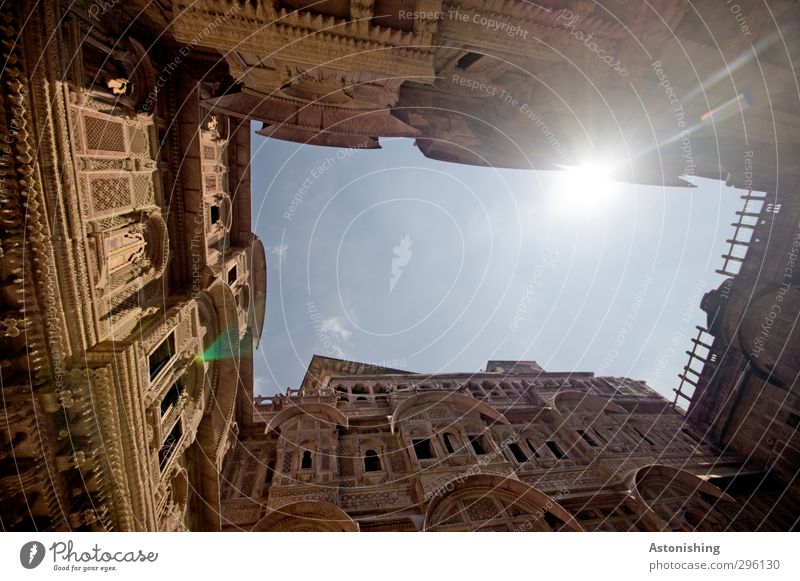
<point>133,291</point>
<point>514,448</point>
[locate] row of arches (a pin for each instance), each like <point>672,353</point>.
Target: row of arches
<point>666,498</point>
<point>195,403</point>
<point>438,425</point>
<point>568,404</point>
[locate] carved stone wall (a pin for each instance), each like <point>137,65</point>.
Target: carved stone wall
<point>107,339</point>
<point>513,449</point>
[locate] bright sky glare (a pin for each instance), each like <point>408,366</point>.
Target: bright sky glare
<point>390,258</point>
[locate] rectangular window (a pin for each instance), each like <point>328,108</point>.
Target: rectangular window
<point>172,396</point>
<point>169,445</point>
<point>448,444</point>
<point>423,449</point>
<point>161,355</point>
<point>598,435</point>
<point>519,455</point>
<point>232,275</point>
<point>468,60</point>
<point>645,438</point>
<point>793,420</point>
<point>478,444</point>
<point>689,435</point>
<point>214,214</point>
<point>556,450</point>
<point>587,438</point>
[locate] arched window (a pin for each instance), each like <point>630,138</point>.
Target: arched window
<point>372,462</point>
<point>305,461</point>
<point>448,443</point>
<point>478,444</point>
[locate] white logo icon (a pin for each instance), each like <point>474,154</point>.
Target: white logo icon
<point>402,254</point>
<point>31,554</point>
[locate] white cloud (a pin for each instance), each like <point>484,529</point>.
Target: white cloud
<point>261,385</point>
<point>332,334</point>
<point>279,251</point>
<point>336,328</point>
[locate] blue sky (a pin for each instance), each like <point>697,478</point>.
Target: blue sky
<point>387,257</point>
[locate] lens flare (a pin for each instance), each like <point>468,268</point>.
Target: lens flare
<point>581,188</point>
<point>226,346</point>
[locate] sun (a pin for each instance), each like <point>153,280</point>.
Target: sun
<point>582,188</point>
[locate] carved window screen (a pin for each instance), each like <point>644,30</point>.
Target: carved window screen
<point>103,136</point>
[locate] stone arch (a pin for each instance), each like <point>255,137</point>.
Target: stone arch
<point>177,500</point>
<point>220,358</point>
<point>244,297</point>
<point>321,411</point>
<point>774,355</point>
<point>157,239</point>
<point>495,502</point>
<point>674,499</point>
<point>179,490</point>
<point>307,516</point>
<point>258,288</point>
<point>221,351</point>
<point>226,209</point>
<point>193,378</point>
<point>433,398</point>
